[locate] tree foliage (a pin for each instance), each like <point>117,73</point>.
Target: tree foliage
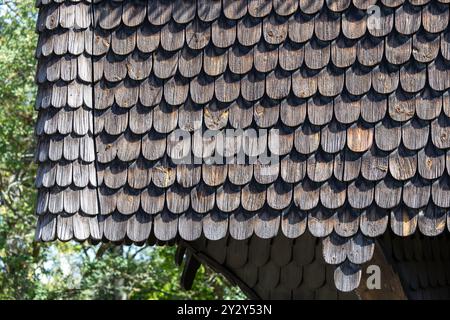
<point>30,270</point>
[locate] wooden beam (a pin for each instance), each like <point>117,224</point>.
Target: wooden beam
<point>221,269</point>
<point>391,287</point>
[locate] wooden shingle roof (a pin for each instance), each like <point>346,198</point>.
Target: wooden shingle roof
<point>352,95</point>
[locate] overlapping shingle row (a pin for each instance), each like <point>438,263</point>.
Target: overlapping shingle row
<point>66,154</point>
<point>353,94</point>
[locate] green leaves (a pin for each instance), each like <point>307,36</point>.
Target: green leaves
<point>17,251</point>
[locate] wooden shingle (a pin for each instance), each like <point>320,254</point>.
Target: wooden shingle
<point>354,100</point>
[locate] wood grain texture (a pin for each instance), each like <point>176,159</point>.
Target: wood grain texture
<point>356,112</point>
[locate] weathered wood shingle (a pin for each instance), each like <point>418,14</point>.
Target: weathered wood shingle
<point>357,97</point>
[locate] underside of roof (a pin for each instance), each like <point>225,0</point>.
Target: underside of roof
<point>283,268</point>
<point>350,97</point>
